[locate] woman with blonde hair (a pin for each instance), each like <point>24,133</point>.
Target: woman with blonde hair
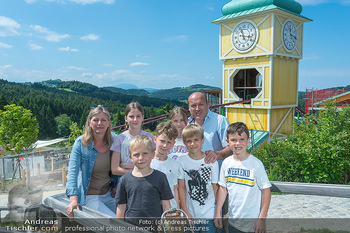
<point>89,177</point>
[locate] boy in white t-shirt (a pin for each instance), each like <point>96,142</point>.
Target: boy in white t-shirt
<point>166,134</point>
<point>197,181</point>
<point>244,178</point>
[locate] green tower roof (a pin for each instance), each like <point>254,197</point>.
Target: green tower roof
<point>237,8</point>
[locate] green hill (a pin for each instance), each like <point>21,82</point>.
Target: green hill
<point>177,93</point>
<point>138,92</point>
<point>73,98</point>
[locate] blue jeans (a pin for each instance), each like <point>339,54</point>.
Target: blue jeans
<point>102,203</point>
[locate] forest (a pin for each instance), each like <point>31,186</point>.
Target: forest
<point>56,106</point>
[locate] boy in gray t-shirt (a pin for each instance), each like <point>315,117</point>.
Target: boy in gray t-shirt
<point>143,193</point>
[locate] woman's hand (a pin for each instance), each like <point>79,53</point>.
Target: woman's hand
<point>72,205</point>
<point>113,191</point>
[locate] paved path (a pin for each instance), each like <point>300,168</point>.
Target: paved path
<point>287,213</point>
<point>308,206</point>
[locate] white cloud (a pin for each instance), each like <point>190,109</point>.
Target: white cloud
<point>67,49</point>
<point>167,76</point>
<point>49,35</point>
<point>8,27</point>
<point>6,67</point>
<point>75,68</point>
<point>346,2</point>
<point>139,64</point>
<point>318,2</point>
<point>142,56</point>
<point>84,2</point>
<point>33,46</point>
<point>6,46</point>
<point>312,57</point>
<point>90,37</point>
<point>30,1</point>
<point>108,65</point>
<point>86,75</point>
<point>180,38</point>
<point>210,77</point>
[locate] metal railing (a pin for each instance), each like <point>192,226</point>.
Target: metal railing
<point>121,128</point>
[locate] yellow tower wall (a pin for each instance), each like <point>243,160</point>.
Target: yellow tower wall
<point>253,118</point>
<point>285,81</point>
<point>281,120</point>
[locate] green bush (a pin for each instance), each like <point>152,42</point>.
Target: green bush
<point>316,153</point>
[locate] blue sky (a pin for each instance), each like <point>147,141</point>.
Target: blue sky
<point>150,43</point>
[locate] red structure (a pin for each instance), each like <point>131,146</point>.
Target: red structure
<point>315,96</point>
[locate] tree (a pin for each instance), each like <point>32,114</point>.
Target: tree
<point>63,123</point>
<point>75,132</point>
<point>316,153</point>
<point>3,102</point>
<point>18,129</point>
<point>47,123</point>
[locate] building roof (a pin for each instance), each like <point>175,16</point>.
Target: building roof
<point>342,98</point>
<point>237,8</point>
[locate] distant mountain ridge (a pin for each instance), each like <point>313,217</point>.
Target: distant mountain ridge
<point>127,86</point>
<point>176,93</point>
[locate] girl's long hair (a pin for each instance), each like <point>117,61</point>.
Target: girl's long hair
<point>88,137</point>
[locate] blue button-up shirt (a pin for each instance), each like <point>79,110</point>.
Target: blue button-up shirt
<point>215,127</point>
<point>81,162</point>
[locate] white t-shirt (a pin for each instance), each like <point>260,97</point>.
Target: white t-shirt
<point>179,149</point>
<point>199,177</point>
<point>170,168</point>
<point>244,181</point>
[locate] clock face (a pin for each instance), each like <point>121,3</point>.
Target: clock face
<point>244,36</point>
<point>289,35</point>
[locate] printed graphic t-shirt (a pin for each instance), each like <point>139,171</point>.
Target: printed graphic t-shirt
<point>199,177</point>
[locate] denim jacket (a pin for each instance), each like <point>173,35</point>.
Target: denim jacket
<point>81,162</point>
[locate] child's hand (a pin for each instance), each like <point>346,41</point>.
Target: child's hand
<point>260,226</point>
<point>218,221</point>
<point>190,218</point>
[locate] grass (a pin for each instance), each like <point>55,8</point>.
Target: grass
<point>67,89</point>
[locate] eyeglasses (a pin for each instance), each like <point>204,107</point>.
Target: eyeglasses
<point>101,106</point>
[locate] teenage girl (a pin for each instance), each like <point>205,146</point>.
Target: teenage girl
<point>179,117</point>
<point>134,116</point>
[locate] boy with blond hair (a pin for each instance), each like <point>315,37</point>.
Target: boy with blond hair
<point>244,178</point>
<point>197,180</point>
<point>166,134</point>
<point>143,193</point>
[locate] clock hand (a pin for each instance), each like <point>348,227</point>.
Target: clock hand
<point>242,34</point>
<point>293,36</point>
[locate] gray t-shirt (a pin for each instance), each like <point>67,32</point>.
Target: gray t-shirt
<point>143,195</point>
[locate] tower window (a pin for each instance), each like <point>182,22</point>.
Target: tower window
<point>247,84</point>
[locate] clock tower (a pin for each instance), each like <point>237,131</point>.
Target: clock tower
<point>260,47</point>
